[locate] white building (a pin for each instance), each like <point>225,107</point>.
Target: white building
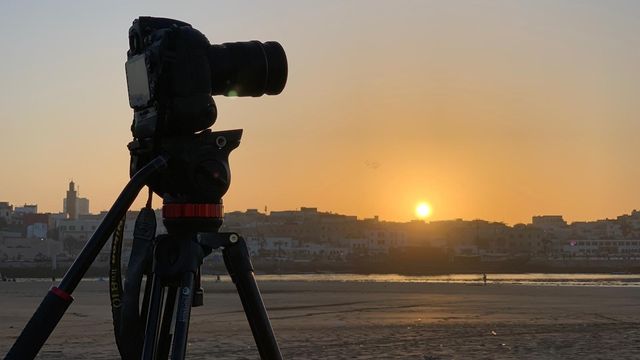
<point>37,231</point>
<point>26,209</point>
<point>583,248</point>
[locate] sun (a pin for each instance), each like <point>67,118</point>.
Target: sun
<point>423,210</point>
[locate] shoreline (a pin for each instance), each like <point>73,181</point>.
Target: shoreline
<point>97,270</point>
<point>526,279</point>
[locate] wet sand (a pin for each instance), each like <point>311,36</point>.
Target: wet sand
<point>335,320</point>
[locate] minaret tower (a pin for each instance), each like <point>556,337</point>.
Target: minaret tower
<point>72,196</point>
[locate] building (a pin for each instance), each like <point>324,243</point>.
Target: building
<point>74,234</point>
<point>26,209</point>
<point>546,222</point>
<point>6,211</point>
<point>82,206</point>
<point>70,202</point>
<point>36,225</point>
<point>382,240</point>
<point>73,205</point>
<point>602,248</point>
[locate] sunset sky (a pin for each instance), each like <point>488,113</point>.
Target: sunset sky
<point>497,110</point>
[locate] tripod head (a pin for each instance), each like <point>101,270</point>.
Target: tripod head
<point>172,72</point>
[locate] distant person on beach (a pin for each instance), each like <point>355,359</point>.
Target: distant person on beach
<point>484,279</point>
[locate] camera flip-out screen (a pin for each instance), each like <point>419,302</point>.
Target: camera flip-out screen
<point>137,81</point>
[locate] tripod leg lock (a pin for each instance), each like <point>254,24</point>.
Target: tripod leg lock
<point>217,240</point>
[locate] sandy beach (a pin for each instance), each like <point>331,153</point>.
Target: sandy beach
<point>360,320</point>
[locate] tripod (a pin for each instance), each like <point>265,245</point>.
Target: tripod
<point>177,257</point>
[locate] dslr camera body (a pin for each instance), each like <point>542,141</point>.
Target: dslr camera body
<point>172,73</point>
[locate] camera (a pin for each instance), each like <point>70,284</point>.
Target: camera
<point>172,73</point>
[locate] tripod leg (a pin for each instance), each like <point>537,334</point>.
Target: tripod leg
<point>153,320</point>
<point>164,342</point>
<point>238,263</point>
<point>146,298</point>
<point>183,313</point>
<point>57,301</point>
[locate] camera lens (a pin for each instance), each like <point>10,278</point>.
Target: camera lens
<point>247,68</point>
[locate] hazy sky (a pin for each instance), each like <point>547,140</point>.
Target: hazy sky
<point>485,109</point>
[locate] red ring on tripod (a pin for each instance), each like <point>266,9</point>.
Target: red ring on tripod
<point>177,211</point>
<point>61,294</point>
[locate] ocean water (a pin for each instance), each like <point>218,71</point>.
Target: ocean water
<point>531,279</point>
<point>528,279</point>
